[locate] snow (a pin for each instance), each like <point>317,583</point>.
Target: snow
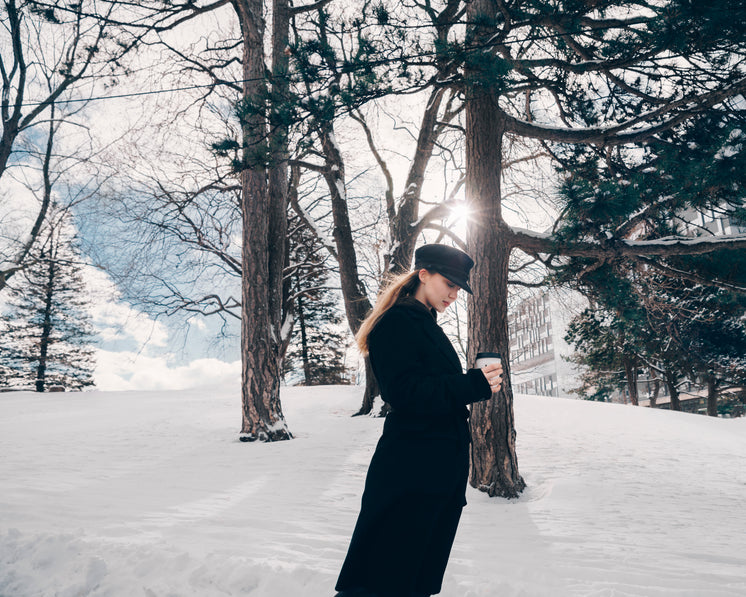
<point>531,233</point>
<point>325,239</point>
<point>152,494</point>
<point>684,241</point>
<point>341,190</point>
<point>287,326</point>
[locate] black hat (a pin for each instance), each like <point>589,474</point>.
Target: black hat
<point>447,261</point>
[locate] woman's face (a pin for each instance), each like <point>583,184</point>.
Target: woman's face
<point>436,291</point>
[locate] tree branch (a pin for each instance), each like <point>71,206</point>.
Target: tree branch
<point>619,134</point>
<point>358,117</point>
<point>533,243</point>
<point>692,277</point>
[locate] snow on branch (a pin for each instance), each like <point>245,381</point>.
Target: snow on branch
<point>535,242</point>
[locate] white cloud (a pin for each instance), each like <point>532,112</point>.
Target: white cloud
<point>133,371</point>
<point>116,321</point>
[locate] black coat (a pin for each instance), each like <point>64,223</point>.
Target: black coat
<point>416,481</point>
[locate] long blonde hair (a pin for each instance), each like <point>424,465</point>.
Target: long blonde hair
<point>399,286</point>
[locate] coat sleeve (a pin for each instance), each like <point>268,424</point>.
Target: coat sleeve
<point>407,384</point>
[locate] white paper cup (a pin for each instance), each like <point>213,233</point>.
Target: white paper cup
<point>487,358</point>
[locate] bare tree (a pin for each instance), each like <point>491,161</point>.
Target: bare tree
<point>49,57</point>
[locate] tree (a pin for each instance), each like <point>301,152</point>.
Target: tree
<point>676,328</point>
<point>48,336</point>
<point>703,326</point>
<point>343,66</point>
<point>262,172</point>
<point>682,311</point>
<point>573,74</point>
<point>596,337</point>
<point>568,75</point>
<point>319,344</point>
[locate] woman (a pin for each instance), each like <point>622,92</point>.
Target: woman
<point>416,483</point>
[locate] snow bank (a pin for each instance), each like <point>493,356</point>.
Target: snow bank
<point>151,493</point>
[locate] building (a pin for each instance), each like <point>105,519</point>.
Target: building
<point>537,326</point>
<point>717,223</point>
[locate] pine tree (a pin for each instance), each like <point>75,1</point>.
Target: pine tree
<point>319,343</point>
<point>597,337</point>
<point>48,333</point>
<point>679,328</point>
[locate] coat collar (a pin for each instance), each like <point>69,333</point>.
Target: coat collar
<point>428,317</point>
<point>418,308</point>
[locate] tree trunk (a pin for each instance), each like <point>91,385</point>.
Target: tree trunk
<point>281,307</point>
<point>357,305</point>
<point>494,461</point>
<point>401,229</point>
<point>12,112</point>
<point>46,330</point>
<point>260,284</point>
<point>493,450</point>
<point>630,370</point>
<point>673,391</point>
<point>656,388</point>
<point>712,395</point>
<point>304,343</point>
<point>371,391</point>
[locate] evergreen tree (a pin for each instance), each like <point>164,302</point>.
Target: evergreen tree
<point>597,337</point>
<point>677,328</point>
<point>48,332</point>
<point>319,342</point>
<point>682,314</point>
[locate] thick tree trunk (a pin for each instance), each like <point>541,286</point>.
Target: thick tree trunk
<point>493,454</point>
<point>278,178</point>
<point>261,286</point>
<point>493,450</point>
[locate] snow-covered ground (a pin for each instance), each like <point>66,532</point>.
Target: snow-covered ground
<point>151,494</point>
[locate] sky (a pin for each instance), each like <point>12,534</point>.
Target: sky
<point>137,352</point>
<point>131,135</point>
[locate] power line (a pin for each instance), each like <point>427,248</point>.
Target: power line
<point>133,94</point>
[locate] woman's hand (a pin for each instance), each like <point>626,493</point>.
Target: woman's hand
<point>494,375</point>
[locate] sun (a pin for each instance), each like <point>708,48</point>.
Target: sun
<point>460,211</point>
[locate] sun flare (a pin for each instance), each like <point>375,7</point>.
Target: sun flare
<point>460,211</point>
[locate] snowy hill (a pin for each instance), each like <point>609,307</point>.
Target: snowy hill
<point>150,494</point>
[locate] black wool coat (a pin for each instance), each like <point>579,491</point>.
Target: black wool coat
<point>419,470</point>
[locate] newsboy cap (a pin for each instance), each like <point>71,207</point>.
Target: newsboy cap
<point>447,261</point>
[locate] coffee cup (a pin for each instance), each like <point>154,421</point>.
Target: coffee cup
<point>487,358</point>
